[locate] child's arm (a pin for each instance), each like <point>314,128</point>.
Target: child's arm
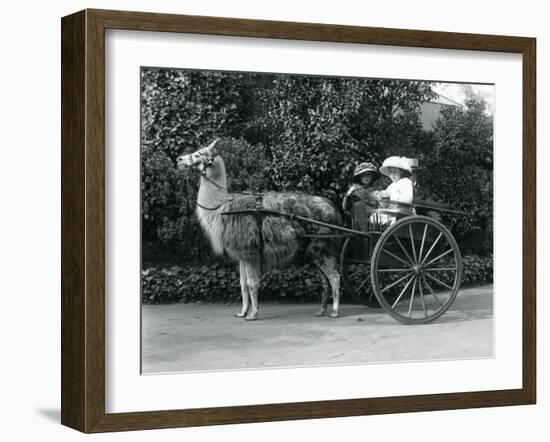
<point>353,188</point>
<point>404,191</point>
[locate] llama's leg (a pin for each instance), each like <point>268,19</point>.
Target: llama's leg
<point>244,290</point>
<point>326,288</point>
<point>330,269</point>
<point>253,278</point>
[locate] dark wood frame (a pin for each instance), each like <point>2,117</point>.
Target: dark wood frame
<point>83,216</point>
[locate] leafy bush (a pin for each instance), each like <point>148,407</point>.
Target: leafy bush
<point>477,270</point>
<point>458,169</point>
<point>220,283</point>
<point>205,283</point>
<point>292,132</point>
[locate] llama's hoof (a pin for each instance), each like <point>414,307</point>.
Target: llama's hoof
<point>251,317</point>
<point>321,312</point>
<point>240,315</point>
<point>333,315</point>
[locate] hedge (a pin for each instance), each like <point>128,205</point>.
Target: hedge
<point>283,132</point>
<point>219,283</point>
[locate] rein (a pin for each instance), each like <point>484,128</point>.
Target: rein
<point>203,174</point>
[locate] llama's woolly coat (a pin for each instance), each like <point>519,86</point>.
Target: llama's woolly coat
<point>238,236</point>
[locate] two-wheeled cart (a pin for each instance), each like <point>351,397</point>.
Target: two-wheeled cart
<point>400,257</point>
<point>409,263</point>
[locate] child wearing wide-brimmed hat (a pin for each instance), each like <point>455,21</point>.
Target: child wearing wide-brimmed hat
<point>398,169</point>
<point>401,190</point>
<point>364,176</point>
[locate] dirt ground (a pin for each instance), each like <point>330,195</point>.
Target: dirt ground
<point>194,337</point>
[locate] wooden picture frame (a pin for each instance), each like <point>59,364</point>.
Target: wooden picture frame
<point>83,220</point>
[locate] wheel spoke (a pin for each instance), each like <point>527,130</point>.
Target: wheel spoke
<point>396,257</point>
<point>439,257</point>
<point>412,244</point>
<point>432,292</point>
<point>412,296</point>
<point>422,298</point>
<point>395,283</point>
<point>401,269</point>
<point>356,273</point>
<point>404,250</point>
<point>438,281</point>
<point>422,244</point>
<point>431,248</point>
<point>440,269</point>
<point>361,285</point>
<point>402,292</point>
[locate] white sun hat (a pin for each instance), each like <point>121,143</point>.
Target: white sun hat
<point>402,163</point>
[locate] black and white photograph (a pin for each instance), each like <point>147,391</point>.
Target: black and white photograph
<point>252,221</point>
<point>302,221</point>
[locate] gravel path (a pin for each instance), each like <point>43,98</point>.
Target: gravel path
<point>182,337</point>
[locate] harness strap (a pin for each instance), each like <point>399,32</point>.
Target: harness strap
<point>258,214</point>
<point>203,173</point>
<point>210,208</point>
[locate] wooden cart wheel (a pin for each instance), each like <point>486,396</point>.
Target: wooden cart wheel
<point>416,270</point>
<point>355,271</point>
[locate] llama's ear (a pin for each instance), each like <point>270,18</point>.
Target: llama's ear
<point>212,147</point>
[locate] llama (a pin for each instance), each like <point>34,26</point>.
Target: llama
<point>260,243</point>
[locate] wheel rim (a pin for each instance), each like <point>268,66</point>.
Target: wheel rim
<point>416,270</point>
<point>356,275</point>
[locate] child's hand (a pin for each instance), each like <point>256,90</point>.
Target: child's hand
<point>384,194</point>
<point>353,188</point>
<point>344,204</point>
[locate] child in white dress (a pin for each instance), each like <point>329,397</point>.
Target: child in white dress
<point>401,190</point>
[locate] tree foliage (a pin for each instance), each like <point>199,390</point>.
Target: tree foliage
<point>301,133</point>
<point>459,171</point>
<point>317,129</point>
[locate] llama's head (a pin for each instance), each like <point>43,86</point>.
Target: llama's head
<point>208,162</point>
<point>202,158</point>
